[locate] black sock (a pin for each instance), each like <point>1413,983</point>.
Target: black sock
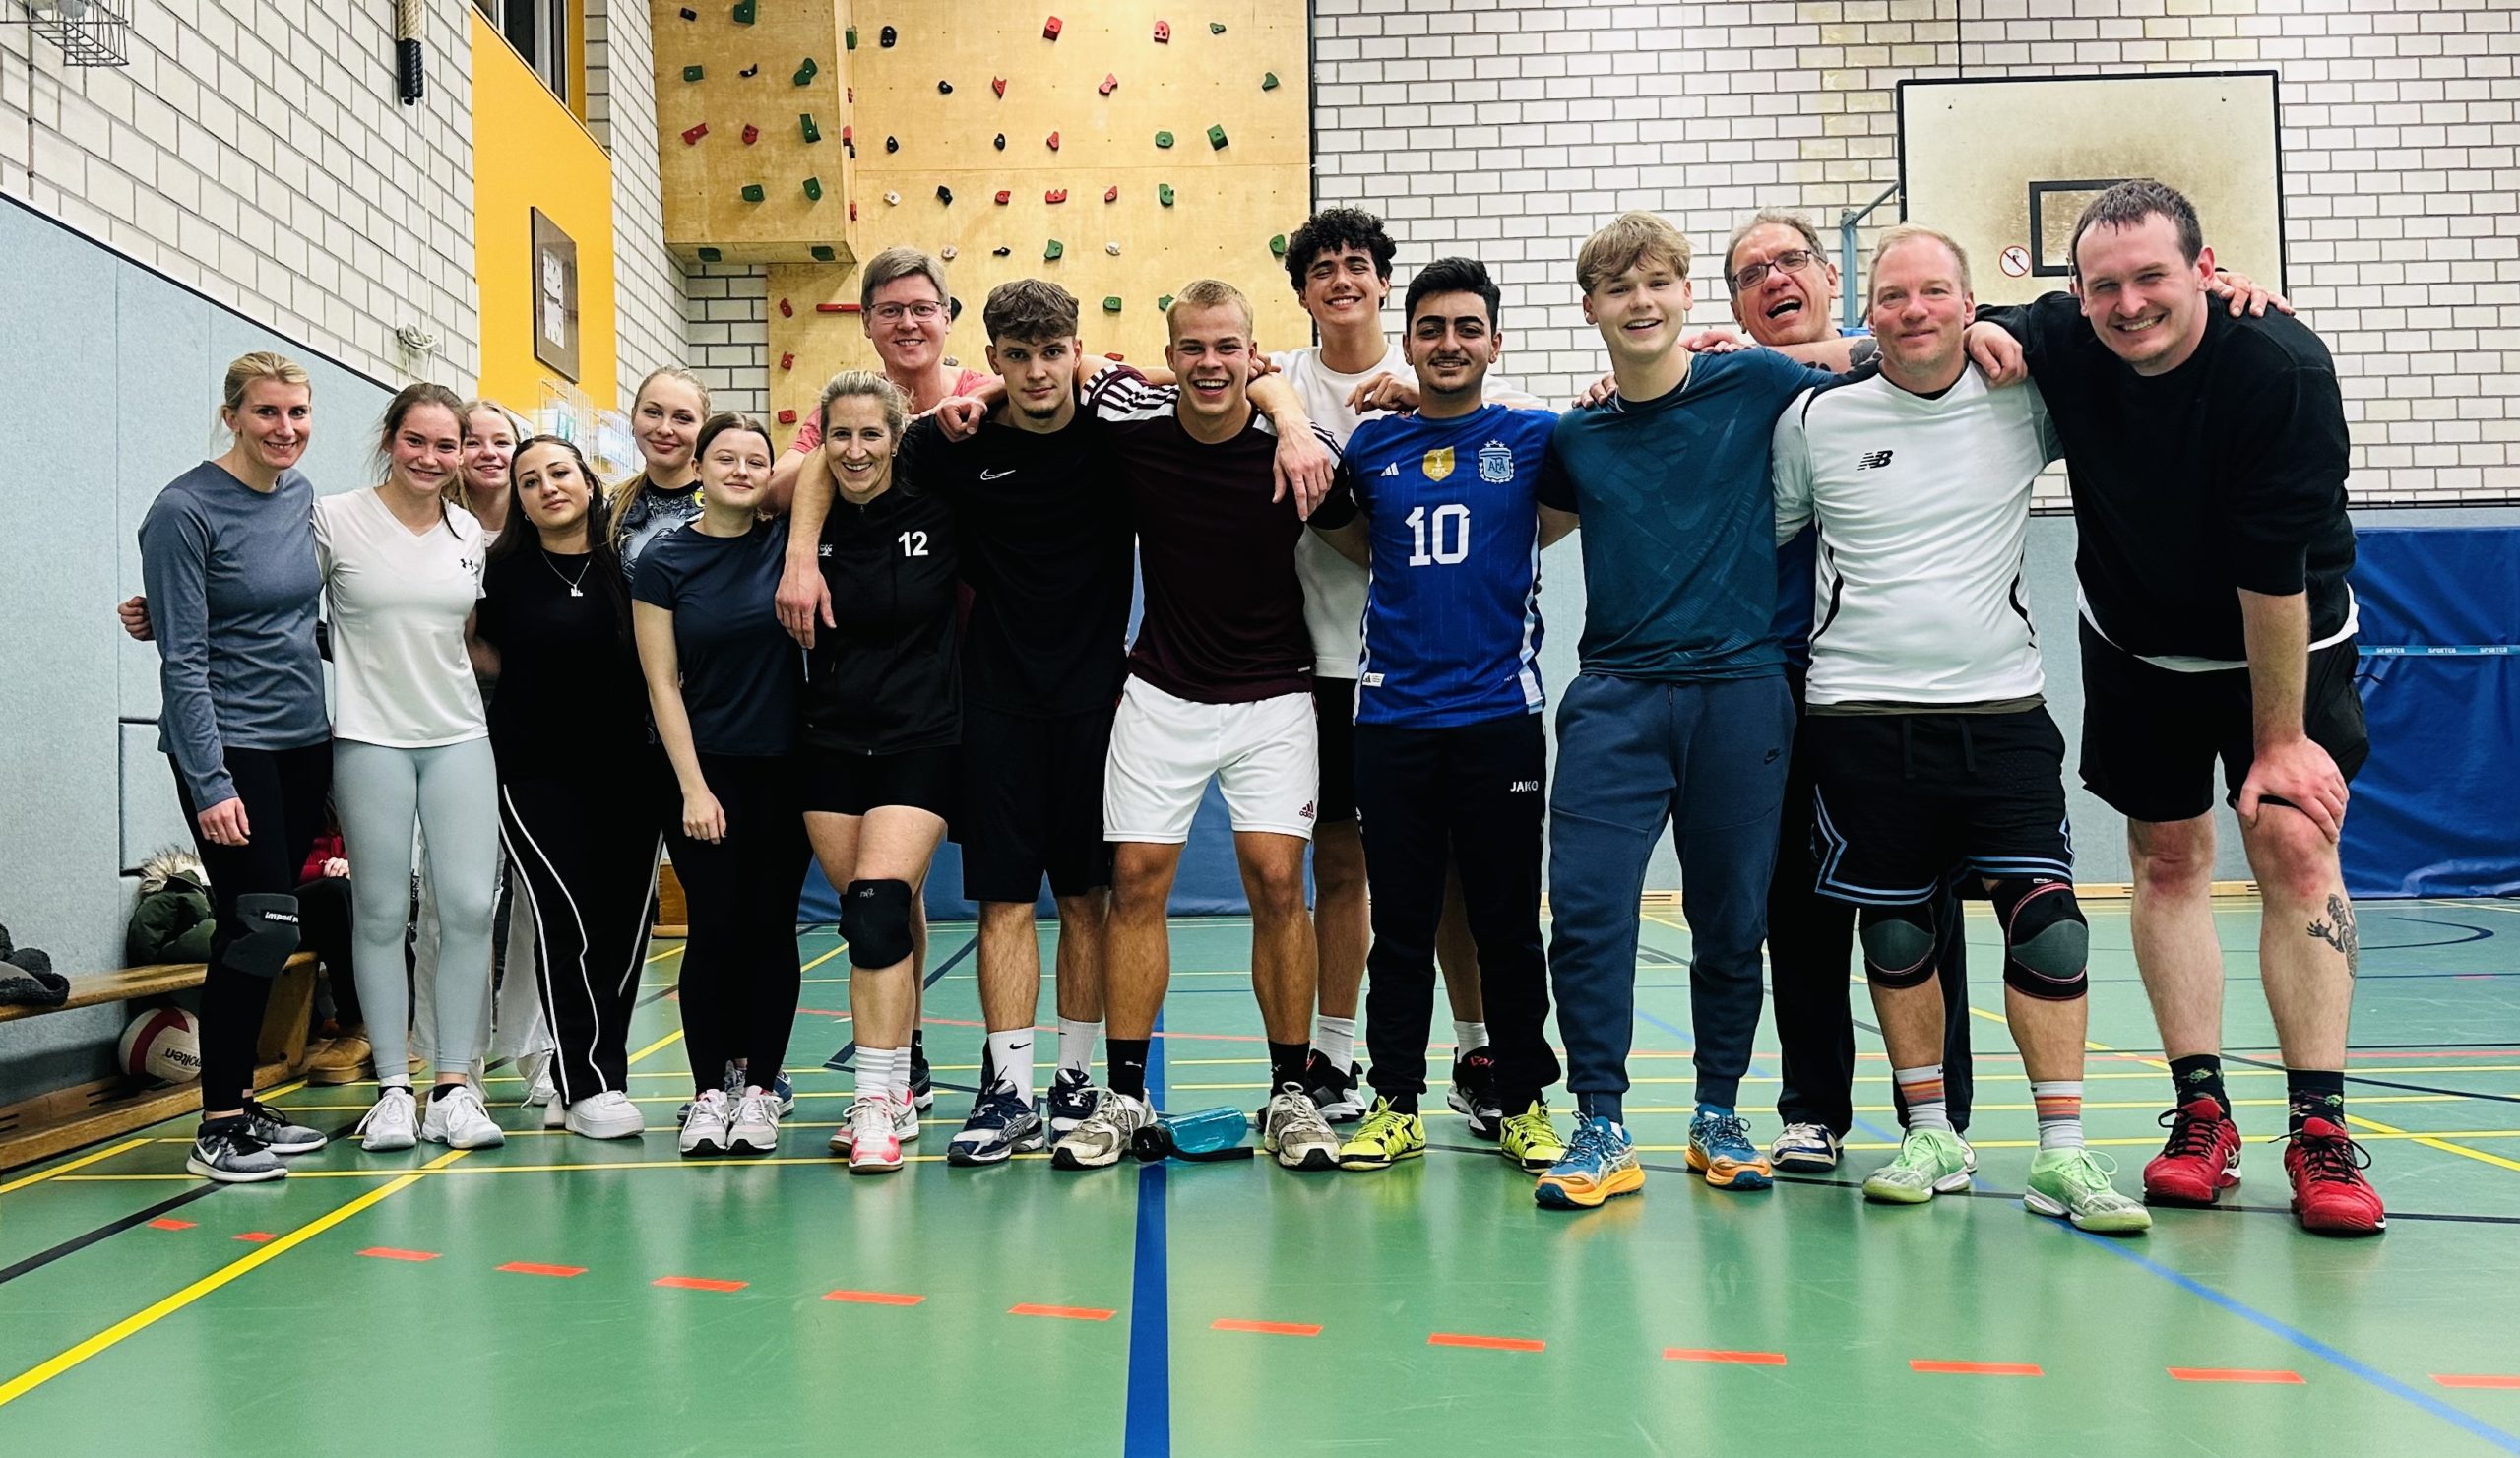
<point>1286,1064</point>
<point>444,1089</point>
<point>1128,1056</point>
<point>2315,1093</point>
<point>2200,1073</point>
<point>1401,1102</point>
<point>918,1042</point>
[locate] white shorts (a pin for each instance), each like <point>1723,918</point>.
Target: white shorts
<point>1164,749</point>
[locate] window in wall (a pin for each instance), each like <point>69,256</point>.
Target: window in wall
<point>539,32</point>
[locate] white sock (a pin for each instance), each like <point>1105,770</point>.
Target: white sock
<point>1336,1039</point>
<point>1076,1044</point>
<point>1010,1053</point>
<point>879,1069</point>
<point>1468,1038</point>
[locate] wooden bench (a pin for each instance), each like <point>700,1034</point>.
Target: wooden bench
<point>49,1123</point>
<point>673,917</point>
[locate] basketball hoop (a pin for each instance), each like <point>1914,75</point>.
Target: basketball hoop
<point>88,33</point>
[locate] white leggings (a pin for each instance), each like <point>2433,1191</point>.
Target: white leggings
<point>384,796</point>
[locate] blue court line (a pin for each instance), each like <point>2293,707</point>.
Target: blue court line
<point>1147,1430</point>
<point>2475,1426</point>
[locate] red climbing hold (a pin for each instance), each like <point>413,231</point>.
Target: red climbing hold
<point>1051,29</point>
<point>691,138</point>
<point>752,134</point>
<point>827,308</point>
<point>1004,197</point>
<point>997,84</point>
<point>1111,194</point>
<point>1054,140</point>
<point>787,310</point>
<point>787,417</point>
<point>1055,195</point>
<point>1163,36</point>
<point>787,360</point>
<point>1111,83</point>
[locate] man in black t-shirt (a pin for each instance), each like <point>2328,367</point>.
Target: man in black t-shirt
<point>2207,455</point>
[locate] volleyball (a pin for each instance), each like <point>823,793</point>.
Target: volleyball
<point>162,1044</point>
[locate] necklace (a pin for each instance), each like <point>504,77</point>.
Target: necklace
<point>574,591</point>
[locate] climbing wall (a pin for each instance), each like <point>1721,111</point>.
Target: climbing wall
<point>752,103</point>
<point>981,134</point>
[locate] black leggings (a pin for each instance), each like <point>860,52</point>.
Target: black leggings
<point>740,973</point>
<point>585,858</point>
<point>283,792</point>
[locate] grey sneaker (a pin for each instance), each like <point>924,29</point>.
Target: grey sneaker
<point>1929,1162</point>
<point>1805,1149</point>
<point>754,1129</point>
<point>1104,1134</point>
<point>1001,1126</point>
<point>1291,1129</point>
<point>279,1134</point>
<point>227,1152</point>
<point>705,1131</point>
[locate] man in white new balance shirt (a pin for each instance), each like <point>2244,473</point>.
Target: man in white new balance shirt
<point>1931,744</point>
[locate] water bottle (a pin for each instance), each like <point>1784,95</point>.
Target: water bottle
<point>1208,1134</point>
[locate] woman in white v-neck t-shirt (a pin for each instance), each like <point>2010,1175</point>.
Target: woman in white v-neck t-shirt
<point>411,753</point>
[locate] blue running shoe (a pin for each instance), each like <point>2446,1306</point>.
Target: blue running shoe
<point>1071,1101</point>
<point>1600,1163</point>
<point>785,1091</point>
<point>1720,1146</point>
<point>1001,1125</point>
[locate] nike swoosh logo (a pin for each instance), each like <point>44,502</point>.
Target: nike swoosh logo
<point>996,475</point>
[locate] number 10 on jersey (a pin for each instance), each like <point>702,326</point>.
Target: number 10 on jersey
<point>1442,536</point>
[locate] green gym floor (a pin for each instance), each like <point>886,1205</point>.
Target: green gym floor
<point>566,1297</point>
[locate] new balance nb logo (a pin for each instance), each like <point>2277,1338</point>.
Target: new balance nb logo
<point>1872,461</point>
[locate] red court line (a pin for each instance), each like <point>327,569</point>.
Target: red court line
<point>163,1224</point>
<point>1704,1354</point>
<point>388,1252</point>
<point>874,1297</point>
<point>256,1237</point>
<point>2230,1375</point>
<point>1266,1328</point>
<point>1492,1343</point>
<point>529,1268</point>
<point>1070,1313</point>
<point>1978,1368</point>
<point>698,1283</point>
<point>2476,1379</point>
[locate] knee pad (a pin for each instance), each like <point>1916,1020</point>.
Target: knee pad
<point>270,934</point>
<point>874,917</point>
<point>2046,939</point>
<point>1898,944</point>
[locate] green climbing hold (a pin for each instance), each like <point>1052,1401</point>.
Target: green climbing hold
<point>1268,81</point>
<point>1110,303</point>
<point>850,37</point>
<point>753,192</point>
<point>1277,245</point>
<point>1215,27</point>
<point>805,120</point>
<point>1163,138</point>
<point>709,255</point>
<point>806,72</point>
<point>1052,253</point>
<point>1164,303</point>
<point>746,11</point>
<point>691,73</point>
<point>814,188</point>
<point>1216,135</point>
<point>1164,193</point>
<point>823,253</point>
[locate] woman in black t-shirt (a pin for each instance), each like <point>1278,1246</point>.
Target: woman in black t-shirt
<point>580,786</point>
<point>883,714</point>
<point>723,678</point>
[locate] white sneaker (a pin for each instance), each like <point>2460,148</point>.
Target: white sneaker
<point>607,1115</point>
<point>755,1128</point>
<point>1292,1129</point>
<point>1968,1155</point>
<point>704,1128</point>
<point>457,1119</point>
<point>555,1115</point>
<point>391,1124</point>
<point>540,1090</point>
<point>873,1147</point>
<point>905,1117</point>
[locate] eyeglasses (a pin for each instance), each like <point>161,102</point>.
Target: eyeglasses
<point>922,312</point>
<point>1792,261</point>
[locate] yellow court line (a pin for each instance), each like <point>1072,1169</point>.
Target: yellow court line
<point>35,1376</point>
<point>667,1041</point>
<point>1980,1144</point>
<point>826,957</point>
<point>2437,1141</point>
<point>80,1162</point>
<point>672,951</point>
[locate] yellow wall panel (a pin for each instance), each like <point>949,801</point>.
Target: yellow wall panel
<point>704,181</point>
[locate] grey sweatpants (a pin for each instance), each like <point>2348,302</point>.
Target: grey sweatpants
<point>384,796</point>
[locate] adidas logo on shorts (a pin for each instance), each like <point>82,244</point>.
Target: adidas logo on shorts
<point>1306,813</point>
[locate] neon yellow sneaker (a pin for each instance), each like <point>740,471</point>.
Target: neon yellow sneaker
<point>1929,1163</point>
<point>2073,1184</point>
<point>1531,1141</point>
<point>1386,1138</point>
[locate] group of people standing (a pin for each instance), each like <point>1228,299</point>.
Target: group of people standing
<point>1807,650</point>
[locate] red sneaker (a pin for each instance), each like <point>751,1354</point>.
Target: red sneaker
<point>2201,1160</point>
<point>2329,1193</point>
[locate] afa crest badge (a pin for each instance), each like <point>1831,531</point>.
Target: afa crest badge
<point>1497,462</point>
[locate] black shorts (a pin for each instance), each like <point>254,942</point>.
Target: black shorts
<point>2151,734</point>
<point>1033,805</point>
<point>1333,704</point>
<point>838,783</point>
<point>1899,800</point>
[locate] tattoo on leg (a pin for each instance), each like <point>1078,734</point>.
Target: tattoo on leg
<point>2338,933</point>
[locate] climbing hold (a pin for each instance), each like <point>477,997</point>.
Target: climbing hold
<point>1051,29</point>
<point>1277,245</point>
<point>1053,251</point>
<point>849,38</point>
<point>1216,135</point>
<point>1163,194</point>
<point>752,71</point>
<point>1110,303</point>
<point>853,211</point>
<point>709,255</point>
<point>1004,197</point>
<point>1113,248</point>
<point>829,309</point>
<point>1115,356</point>
<point>691,136</point>
<point>953,311</point>
<point>944,88</point>
<point>1054,140</point>
<point>944,194</point>
<point>787,310</point>
<point>1215,27</point>
<point>1268,81</point>
<point>1111,83</point>
<point>805,122</point>
<point>997,84</point>
<point>846,308</point>
<point>1001,251</point>
<point>1164,303</point>
<point>893,199</point>
<point>746,12</point>
<point>690,14</point>
<point>1002,141</point>
<point>1055,195</point>
<point>1163,32</point>
<point>888,37</point>
<point>892,144</point>
<point>692,73</point>
<point>823,251</point>
<point>1111,194</point>
<point>1163,138</point>
<point>752,134</point>
<point>814,189</point>
<point>787,417</point>
<point>949,253</point>
<point>752,192</point>
<point>787,360</point>
<point>806,72</point>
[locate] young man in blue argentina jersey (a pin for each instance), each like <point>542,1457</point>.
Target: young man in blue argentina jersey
<point>1450,754</point>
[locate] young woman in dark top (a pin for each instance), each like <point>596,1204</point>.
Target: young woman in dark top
<point>580,786</point>
<point>883,714</point>
<point>723,678</point>
<point>666,415</point>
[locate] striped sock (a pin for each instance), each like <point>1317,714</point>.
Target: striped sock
<point>1335,1038</point>
<point>1922,1089</point>
<point>2061,1113</point>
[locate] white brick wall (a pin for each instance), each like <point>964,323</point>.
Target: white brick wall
<point>254,149</point>
<point>649,302</point>
<point>1509,129</point>
<point>727,323</point>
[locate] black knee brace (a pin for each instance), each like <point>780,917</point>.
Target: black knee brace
<point>874,918</point>
<point>270,937</point>
<point>2046,941</point>
<point>1898,944</point>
